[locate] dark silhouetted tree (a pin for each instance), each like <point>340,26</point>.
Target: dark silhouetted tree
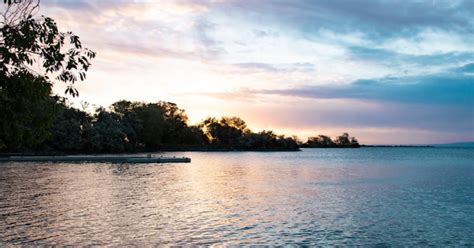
<point>267,140</point>
<point>68,128</point>
<point>105,134</point>
<point>31,50</point>
<point>343,140</point>
<point>26,41</point>
<point>320,141</point>
<point>131,123</point>
<point>26,111</point>
<point>151,132</point>
<point>175,123</point>
<point>224,132</point>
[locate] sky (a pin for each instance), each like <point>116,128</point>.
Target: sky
<point>387,72</point>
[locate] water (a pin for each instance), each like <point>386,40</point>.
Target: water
<point>367,196</point>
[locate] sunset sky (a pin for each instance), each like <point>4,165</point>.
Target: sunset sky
<point>387,72</point>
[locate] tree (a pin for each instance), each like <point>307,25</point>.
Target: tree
<point>354,142</point>
<point>320,141</point>
<point>171,111</point>
<point>26,111</point>
<point>151,132</point>
<point>175,123</point>
<point>258,141</point>
<point>105,134</point>
<point>16,11</point>
<point>193,136</point>
<point>224,132</point>
<point>67,131</point>
<point>26,106</point>
<point>343,140</point>
<point>235,122</point>
<point>267,140</point>
<point>25,41</point>
<point>125,113</point>
<point>346,141</point>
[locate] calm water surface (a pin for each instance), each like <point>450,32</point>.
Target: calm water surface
<point>367,196</point>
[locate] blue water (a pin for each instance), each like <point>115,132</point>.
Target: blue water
<point>367,196</point>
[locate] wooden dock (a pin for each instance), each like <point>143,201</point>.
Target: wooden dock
<point>96,159</point>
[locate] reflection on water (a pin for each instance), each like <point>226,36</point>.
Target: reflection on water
<point>370,196</point>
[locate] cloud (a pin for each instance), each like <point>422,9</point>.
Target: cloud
<point>448,88</point>
<point>161,29</point>
<point>469,68</point>
<point>400,28</point>
<point>351,114</point>
<point>69,4</point>
<point>380,19</point>
<point>210,46</point>
<point>276,68</point>
<point>387,56</point>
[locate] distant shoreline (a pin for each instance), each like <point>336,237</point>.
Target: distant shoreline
<point>401,146</point>
<point>220,149</point>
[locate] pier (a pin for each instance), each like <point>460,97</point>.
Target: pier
<point>96,159</point>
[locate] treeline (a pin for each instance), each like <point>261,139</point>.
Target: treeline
<point>323,141</point>
<point>34,121</point>
<point>137,126</point>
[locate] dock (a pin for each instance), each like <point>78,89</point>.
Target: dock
<point>96,159</point>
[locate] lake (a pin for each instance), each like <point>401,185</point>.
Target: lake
<point>366,196</point>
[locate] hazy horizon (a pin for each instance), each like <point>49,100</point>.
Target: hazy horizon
<point>386,72</point>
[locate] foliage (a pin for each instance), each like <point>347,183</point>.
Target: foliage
<point>26,42</point>
<point>193,136</point>
<point>233,133</point>
<point>151,132</point>
<point>224,132</point>
<point>321,141</point>
<point>175,123</point>
<point>26,110</point>
<point>105,134</point>
<point>267,140</point>
<point>343,140</point>
<point>67,129</point>
<point>131,124</point>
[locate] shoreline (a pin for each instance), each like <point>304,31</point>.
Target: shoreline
<point>123,154</point>
<point>401,146</point>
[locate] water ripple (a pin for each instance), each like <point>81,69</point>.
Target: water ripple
<point>369,197</point>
